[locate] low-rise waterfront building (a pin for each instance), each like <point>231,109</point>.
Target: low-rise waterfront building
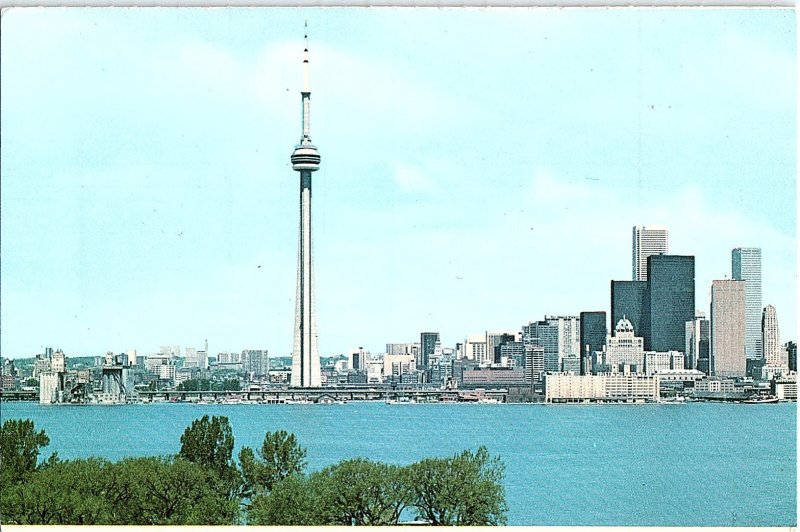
<point>715,385</point>
<point>606,387</point>
<point>785,388</point>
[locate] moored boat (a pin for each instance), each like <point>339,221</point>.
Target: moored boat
<point>758,399</point>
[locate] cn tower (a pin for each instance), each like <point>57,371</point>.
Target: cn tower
<point>305,159</point>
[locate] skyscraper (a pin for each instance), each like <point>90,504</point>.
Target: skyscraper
<point>427,341</point>
<point>697,343</point>
<point>647,240</point>
<point>669,302</point>
<point>791,353</point>
<point>305,159</point>
<point>593,336</point>
<point>774,353</point>
<point>746,266</point>
<point>728,329</point>
<point>627,301</point>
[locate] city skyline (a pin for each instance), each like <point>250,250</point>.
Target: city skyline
<point>428,219</point>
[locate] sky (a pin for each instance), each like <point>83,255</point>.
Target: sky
<point>480,168</point>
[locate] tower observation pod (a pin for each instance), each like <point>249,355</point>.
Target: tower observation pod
<point>305,159</point>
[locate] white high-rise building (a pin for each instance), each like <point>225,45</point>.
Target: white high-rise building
<point>647,240</point>
<point>728,328</point>
<point>306,371</point>
<point>475,348</point>
<point>774,353</point>
<point>746,266</point>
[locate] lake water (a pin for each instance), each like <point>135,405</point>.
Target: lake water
<point>699,464</point>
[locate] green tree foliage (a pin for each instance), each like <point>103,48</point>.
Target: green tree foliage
<point>165,491</point>
<point>362,492</point>
<point>231,385</point>
<point>69,492</point>
<point>201,486</point>
<point>292,501</point>
<point>19,449</point>
<point>465,490</point>
<point>279,457</point>
<point>209,442</point>
<point>135,491</point>
<point>194,385</point>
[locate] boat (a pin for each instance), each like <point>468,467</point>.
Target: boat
<point>678,400</point>
<point>401,401</point>
<point>758,399</point>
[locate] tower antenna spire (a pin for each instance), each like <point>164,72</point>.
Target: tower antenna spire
<point>305,59</point>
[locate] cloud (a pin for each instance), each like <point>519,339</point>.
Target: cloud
<point>411,179</point>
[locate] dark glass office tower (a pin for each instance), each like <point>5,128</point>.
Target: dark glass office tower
<point>669,302</point>
<point>627,300</point>
<point>427,341</point>
<point>593,335</point>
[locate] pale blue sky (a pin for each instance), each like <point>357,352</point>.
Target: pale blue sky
<point>480,168</point>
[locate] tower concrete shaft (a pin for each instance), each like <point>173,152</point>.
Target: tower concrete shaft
<point>305,160</point>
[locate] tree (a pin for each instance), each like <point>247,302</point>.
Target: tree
<point>194,385</point>
<point>19,448</point>
<point>362,492</point>
<point>69,492</point>
<point>209,442</point>
<point>135,491</point>
<point>166,491</point>
<point>292,501</point>
<point>464,490</point>
<point>279,457</point>
<point>231,385</point>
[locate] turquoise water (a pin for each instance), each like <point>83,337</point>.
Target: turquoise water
<point>699,464</point>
